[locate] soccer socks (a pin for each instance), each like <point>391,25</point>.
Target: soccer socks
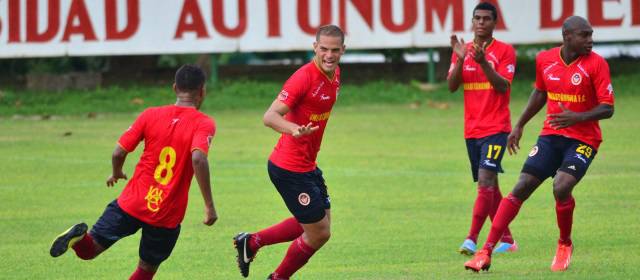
<point>507,211</point>
<point>481,209</point>
<point>84,248</point>
<point>141,274</point>
<point>297,256</point>
<point>497,198</point>
<point>564,213</point>
<point>287,230</point>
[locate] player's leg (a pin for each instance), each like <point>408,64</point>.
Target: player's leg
<point>113,225</point>
<point>482,202</point>
<point>248,244</point>
<point>541,164</point>
<point>312,208</point>
<point>577,158</point>
<point>156,246</point>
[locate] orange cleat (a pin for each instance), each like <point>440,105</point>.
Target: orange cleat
<point>563,258</point>
<point>481,261</point>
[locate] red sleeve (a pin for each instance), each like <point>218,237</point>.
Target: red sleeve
<point>454,59</point>
<point>507,67</point>
<point>203,136</point>
<point>294,88</point>
<point>602,83</point>
<point>539,74</point>
<point>134,134</point>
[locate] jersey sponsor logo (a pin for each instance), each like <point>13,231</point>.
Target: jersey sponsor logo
<point>315,92</point>
<point>552,78</point>
<point>564,97</point>
<point>469,68</point>
<point>283,95</point>
<point>320,117</point>
<point>534,151</point>
<point>154,199</point>
<point>576,79</point>
<point>579,156</point>
<point>489,163</point>
<point>476,86</point>
<point>511,68</point>
<point>304,199</point>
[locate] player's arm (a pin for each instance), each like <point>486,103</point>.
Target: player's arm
<point>201,170</point>
<point>537,100</point>
<point>455,74</point>
<point>118,157</point>
<point>499,83</point>
<point>274,118</point>
<point>568,118</point>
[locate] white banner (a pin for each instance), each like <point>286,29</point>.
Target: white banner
<point>32,28</point>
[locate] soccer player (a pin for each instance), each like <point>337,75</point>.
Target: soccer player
<point>485,68</point>
<point>176,142</point>
<point>574,83</point>
<point>300,113</point>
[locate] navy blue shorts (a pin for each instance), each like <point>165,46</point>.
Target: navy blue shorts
<point>486,153</point>
<point>114,224</point>
<point>305,194</point>
<point>554,153</point>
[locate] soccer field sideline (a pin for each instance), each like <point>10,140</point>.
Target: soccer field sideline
<point>399,181</point>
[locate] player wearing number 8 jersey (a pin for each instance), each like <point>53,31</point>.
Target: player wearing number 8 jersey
<point>177,139</point>
<point>575,85</point>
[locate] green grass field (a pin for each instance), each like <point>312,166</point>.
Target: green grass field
<point>398,177</point>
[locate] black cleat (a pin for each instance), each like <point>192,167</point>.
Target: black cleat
<point>65,240</point>
<point>270,277</point>
<point>245,255</point>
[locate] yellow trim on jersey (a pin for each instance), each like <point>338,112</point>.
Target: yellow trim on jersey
<point>322,71</point>
<point>562,59</point>
<point>563,97</point>
<point>477,86</point>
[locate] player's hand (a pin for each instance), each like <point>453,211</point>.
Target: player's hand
<point>513,140</point>
<point>478,52</point>
<point>564,119</point>
<point>210,216</point>
<point>458,47</point>
<point>113,179</point>
<point>304,130</point>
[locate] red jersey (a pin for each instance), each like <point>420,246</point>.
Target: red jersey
<point>310,96</point>
<point>579,86</point>
<point>486,111</point>
<point>158,191</point>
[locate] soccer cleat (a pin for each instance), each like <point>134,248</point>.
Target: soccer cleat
<point>270,277</point>
<point>562,259</point>
<point>65,240</point>
<point>468,247</point>
<point>480,261</point>
<point>245,255</point>
<point>504,247</point>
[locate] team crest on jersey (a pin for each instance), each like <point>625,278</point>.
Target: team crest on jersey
<point>304,199</point>
<point>576,79</point>
<point>283,95</point>
<point>534,151</point>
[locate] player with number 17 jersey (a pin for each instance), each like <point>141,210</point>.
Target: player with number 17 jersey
<point>158,192</point>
